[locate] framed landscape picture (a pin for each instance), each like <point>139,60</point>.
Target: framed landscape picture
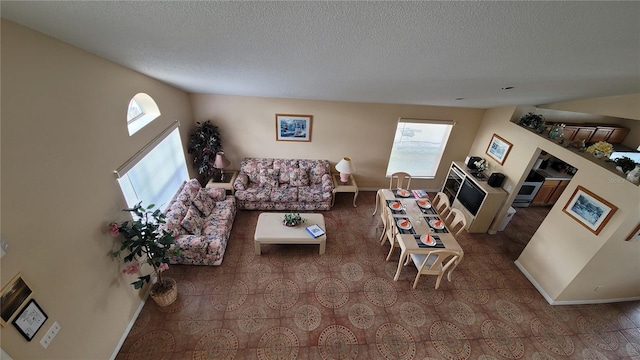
<point>293,127</point>
<point>498,148</point>
<point>14,294</point>
<point>590,210</point>
<point>635,234</point>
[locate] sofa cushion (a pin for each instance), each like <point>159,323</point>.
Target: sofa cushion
<point>204,202</point>
<point>299,177</point>
<point>254,194</point>
<point>191,188</point>
<point>284,193</point>
<point>216,193</point>
<point>252,167</point>
<point>193,221</point>
<point>269,178</point>
<point>312,193</point>
<point>285,166</point>
<point>316,169</point>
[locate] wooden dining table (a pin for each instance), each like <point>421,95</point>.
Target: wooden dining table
<point>420,218</point>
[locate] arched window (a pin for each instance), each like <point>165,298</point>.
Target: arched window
<point>141,111</point>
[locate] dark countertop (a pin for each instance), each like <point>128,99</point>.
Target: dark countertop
<point>551,174</point>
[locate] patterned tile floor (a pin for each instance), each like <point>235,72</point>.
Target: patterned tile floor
<point>291,303</point>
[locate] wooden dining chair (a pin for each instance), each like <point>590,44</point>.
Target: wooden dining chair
<point>441,204</point>
<point>435,263</point>
<point>384,217</point>
<point>400,177</point>
<point>456,221</point>
<point>379,202</point>
<point>391,232</point>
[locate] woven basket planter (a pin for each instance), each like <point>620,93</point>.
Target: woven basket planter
<point>168,297</point>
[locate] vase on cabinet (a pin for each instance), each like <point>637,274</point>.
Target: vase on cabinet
<point>634,175</point>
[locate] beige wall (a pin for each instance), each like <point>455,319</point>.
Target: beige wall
<point>362,131</point>
<point>565,259</point>
<point>63,134</point>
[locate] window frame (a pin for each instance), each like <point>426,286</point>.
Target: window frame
<point>442,146</point>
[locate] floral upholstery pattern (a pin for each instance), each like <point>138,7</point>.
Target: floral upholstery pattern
<point>303,184</point>
<point>206,240</point>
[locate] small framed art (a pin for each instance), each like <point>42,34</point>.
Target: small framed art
<point>590,210</point>
<point>14,295</point>
<point>293,127</point>
<point>30,320</point>
<point>499,149</point>
<point>635,234</point>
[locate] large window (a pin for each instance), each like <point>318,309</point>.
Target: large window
<point>155,173</point>
<point>418,147</point>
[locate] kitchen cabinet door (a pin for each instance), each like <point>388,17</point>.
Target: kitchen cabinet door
<point>618,135</point>
<point>601,134</point>
<point>555,195</point>
<point>584,133</point>
<point>546,190</point>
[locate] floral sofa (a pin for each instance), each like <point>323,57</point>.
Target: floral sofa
<point>284,184</point>
<point>201,221</point>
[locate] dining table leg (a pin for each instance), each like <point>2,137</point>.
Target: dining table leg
<point>403,255</point>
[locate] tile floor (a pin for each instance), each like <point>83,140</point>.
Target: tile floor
<point>291,303</point>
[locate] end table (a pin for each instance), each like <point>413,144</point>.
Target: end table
<point>229,179</point>
<point>349,186</point>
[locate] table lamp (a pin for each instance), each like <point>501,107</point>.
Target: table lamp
<point>346,168</point>
<point>220,163</point>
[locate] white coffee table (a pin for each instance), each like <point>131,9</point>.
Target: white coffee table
<point>270,230</point>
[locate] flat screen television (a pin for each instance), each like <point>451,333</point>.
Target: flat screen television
<point>471,196</point>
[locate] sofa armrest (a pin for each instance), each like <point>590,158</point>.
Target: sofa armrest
<point>242,182</point>
<point>327,183</point>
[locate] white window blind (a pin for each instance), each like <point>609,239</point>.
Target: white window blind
<point>418,146</point>
<point>156,172</point>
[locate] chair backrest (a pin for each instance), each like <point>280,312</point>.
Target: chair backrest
<point>400,179</point>
<point>392,228</point>
<point>456,221</point>
<point>437,262</point>
<point>441,204</point>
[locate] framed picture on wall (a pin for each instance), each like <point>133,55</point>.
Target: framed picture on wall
<point>14,295</point>
<point>293,127</point>
<point>590,210</point>
<point>635,234</point>
<point>30,320</point>
<point>498,148</point>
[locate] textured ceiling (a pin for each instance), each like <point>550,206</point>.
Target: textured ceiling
<point>426,53</point>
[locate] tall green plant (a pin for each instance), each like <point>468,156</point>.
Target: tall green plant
<point>144,242</point>
<point>204,143</point>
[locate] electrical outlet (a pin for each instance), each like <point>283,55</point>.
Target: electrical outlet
<point>48,337</point>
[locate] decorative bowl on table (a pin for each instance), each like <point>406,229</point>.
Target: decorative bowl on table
<point>395,205</point>
<point>436,224</point>
<point>403,192</point>
<point>428,240</point>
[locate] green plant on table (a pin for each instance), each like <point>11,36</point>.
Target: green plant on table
<point>292,219</point>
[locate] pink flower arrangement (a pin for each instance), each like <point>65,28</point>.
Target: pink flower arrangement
<point>114,229</point>
<point>132,268</point>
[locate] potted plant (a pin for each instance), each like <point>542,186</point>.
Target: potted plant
<point>625,164</point>
<point>600,149</point>
<point>531,120</point>
<point>292,220</point>
<point>145,243</point>
<point>204,144</point>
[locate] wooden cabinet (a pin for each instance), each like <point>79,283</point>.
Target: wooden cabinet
<point>612,134</point>
<point>549,192</point>
<point>557,192</point>
<point>618,135</point>
<point>584,133</point>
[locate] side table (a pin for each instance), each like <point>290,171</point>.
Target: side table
<point>229,179</point>
<point>349,186</point>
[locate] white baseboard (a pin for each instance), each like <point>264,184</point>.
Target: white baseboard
<point>128,329</point>
<point>569,302</point>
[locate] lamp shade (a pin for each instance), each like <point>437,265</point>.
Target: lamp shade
<point>221,161</point>
<point>345,167</point>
